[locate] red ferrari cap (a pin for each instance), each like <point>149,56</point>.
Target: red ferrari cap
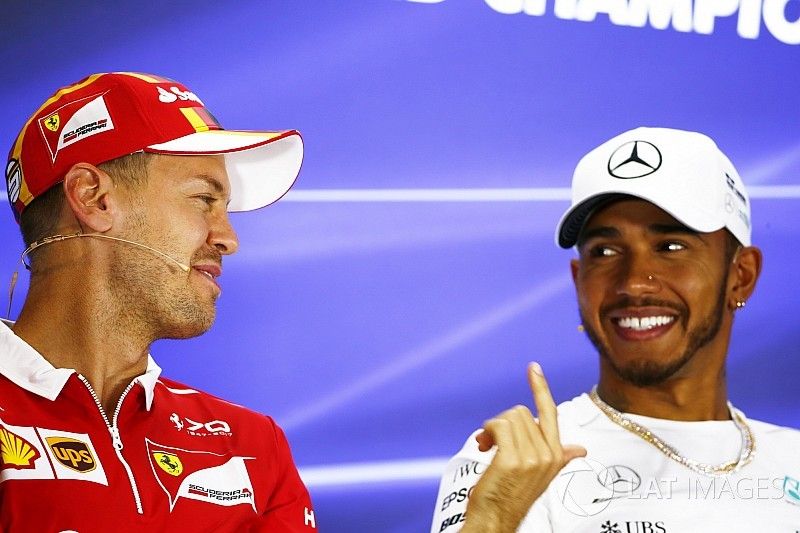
<point>106,116</point>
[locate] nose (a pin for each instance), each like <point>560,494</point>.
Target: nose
<point>222,236</point>
<point>639,277</point>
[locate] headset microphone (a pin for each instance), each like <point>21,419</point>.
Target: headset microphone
<point>57,238</point>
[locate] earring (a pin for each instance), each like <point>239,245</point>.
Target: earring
<point>650,277</point>
<point>740,304</point>
<point>580,328</point>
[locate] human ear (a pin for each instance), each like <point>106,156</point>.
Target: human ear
<point>574,266</point>
<point>89,192</point>
<point>743,273</point>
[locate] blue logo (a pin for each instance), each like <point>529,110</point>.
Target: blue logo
<point>791,490</point>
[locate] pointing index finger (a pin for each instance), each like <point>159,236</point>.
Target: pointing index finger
<point>546,407</point>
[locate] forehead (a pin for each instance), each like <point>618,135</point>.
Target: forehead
<point>177,170</point>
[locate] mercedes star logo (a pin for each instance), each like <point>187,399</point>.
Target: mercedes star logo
<point>622,480</point>
<point>634,159</point>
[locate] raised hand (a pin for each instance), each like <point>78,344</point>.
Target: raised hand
<point>529,455</point>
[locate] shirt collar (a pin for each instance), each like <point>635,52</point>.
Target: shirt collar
<point>26,367</point>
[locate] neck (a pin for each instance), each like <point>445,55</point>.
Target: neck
<point>670,403</point>
<point>687,397</point>
<point>74,323</point>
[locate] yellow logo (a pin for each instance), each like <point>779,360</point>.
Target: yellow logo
<point>169,463</point>
<point>72,453</point>
<point>16,451</point>
<point>52,122</point>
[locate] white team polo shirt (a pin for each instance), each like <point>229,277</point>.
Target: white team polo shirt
<point>626,485</point>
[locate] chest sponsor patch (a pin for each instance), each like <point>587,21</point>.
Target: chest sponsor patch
<point>169,463</point>
<point>72,453</point>
<point>41,453</point>
<point>219,479</point>
<point>16,451</point>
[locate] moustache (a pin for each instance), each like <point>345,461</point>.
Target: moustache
<point>627,302</point>
<point>207,255</point>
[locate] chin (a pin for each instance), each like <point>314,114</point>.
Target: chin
<point>646,372</point>
<point>188,325</point>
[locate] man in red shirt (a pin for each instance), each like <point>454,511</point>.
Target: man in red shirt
<point>122,184</point>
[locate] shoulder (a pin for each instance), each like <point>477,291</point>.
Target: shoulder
<point>775,434</point>
<point>775,447</point>
<point>194,408</point>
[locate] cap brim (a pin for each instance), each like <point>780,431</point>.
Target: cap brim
<point>262,165</point>
<point>571,223</point>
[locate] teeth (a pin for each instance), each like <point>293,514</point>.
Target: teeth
<point>207,274</point>
<point>644,323</point>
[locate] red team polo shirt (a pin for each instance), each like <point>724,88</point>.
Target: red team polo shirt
<point>169,458</point>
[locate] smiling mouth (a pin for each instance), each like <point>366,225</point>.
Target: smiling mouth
<point>207,274</point>
<point>210,273</point>
<point>643,323</point>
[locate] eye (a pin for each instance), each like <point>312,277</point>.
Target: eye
<point>672,246</point>
<point>206,198</point>
<point>601,250</point>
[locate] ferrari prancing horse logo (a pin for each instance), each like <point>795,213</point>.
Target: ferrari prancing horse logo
<point>52,123</point>
<point>169,463</point>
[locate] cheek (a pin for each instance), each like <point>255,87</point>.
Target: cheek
<point>189,229</point>
<point>589,295</point>
<point>592,282</point>
<point>695,282</point>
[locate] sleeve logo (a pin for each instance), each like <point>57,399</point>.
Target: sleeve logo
<point>791,490</point>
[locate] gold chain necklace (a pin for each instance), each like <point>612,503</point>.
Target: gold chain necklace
<point>746,453</point>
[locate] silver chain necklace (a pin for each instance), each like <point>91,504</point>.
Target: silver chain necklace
<point>746,453</point>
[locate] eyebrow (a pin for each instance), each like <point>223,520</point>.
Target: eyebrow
<point>600,231</point>
<point>680,229</point>
<point>663,229</point>
<point>210,180</point>
<point>659,229</point>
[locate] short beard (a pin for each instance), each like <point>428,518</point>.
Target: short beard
<point>147,300</point>
<point>646,372</point>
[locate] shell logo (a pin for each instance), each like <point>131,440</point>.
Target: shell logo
<point>16,452</point>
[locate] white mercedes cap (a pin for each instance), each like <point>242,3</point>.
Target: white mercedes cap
<point>682,172</point>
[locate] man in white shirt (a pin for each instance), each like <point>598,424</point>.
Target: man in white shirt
<point>661,223</point>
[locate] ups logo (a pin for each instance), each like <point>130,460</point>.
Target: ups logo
<point>72,453</point>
